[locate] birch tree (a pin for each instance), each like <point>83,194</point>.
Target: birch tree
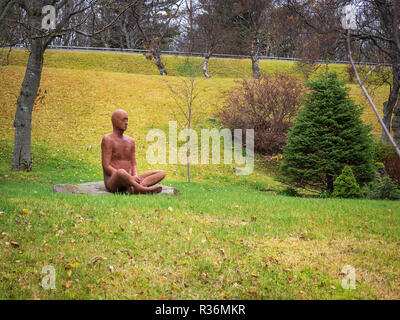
<point>156,21</point>
<point>252,18</point>
<point>213,28</point>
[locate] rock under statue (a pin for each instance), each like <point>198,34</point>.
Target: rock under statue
<point>119,162</point>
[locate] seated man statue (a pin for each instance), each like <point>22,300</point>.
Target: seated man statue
<point>119,162</point>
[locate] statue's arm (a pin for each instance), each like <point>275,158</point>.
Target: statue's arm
<point>133,161</point>
<point>106,152</point>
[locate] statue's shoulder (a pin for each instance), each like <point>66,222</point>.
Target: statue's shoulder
<point>107,137</point>
<point>129,139</point>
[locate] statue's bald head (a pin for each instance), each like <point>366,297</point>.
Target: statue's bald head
<point>119,119</point>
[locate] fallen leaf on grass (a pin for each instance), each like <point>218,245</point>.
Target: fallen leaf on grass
<point>41,213</point>
<point>302,237</point>
<point>68,268</point>
<point>96,259</point>
<point>89,287</point>
<point>72,265</point>
<point>291,277</point>
<point>15,244</point>
<point>67,284</point>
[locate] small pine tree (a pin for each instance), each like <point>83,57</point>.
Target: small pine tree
<point>346,186</point>
<point>327,135</point>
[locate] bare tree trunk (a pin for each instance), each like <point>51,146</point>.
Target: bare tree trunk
<point>330,185</point>
<point>393,96</point>
<point>189,123</point>
<point>125,32</point>
<point>189,7</point>
<point>159,63</point>
<point>23,116</point>
<point>396,10</point>
<point>396,123</point>
<point>5,61</point>
<point>254,59</point>
<point>188,153</point>
<point>127,37</point>
<point>205,63</point>
<point>255,67</point>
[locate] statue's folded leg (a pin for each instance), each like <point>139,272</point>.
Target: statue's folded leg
<point>151,178</point>
<point>122,180</point>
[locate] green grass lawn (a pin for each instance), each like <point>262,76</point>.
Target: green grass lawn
<point>223,240</point>
<point>225,237</point>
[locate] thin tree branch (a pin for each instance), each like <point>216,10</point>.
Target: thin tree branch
<point>106,26</point>
<point>369,72</point>
<point>6,10</point>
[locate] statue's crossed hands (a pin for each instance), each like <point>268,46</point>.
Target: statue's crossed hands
<point>137,179</point>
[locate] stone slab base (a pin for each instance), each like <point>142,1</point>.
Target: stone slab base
<point>98,188</point>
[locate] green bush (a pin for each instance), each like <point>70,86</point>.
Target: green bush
<point>379,165</point>
<point>328,134</point>
<point>346,186</point>
<point>325,195</point>
<point>382,188</point>
<point>388,160</point>
<point>290,192</point>
<point>381,150</point>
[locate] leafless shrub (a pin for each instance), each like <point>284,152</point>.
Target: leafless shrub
<point>268,105</point>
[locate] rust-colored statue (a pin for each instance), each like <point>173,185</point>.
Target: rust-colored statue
<point>119,162</point>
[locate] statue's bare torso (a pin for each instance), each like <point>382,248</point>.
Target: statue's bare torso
<point>122,153</point>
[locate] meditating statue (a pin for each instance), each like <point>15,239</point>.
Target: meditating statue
<point>119,162</point>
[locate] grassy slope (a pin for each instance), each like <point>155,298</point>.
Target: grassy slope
<point>257,245</point>
<point>133,63</point>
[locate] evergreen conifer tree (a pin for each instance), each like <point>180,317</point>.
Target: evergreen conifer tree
<point>346,186</point>
<point>328,135</point>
